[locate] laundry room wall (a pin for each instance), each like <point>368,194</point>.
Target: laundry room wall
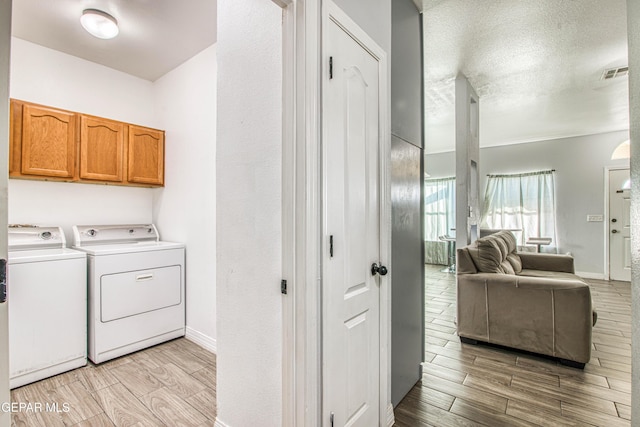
<point>249,214</point>
<point>53,78</point>
<point>185,209</point>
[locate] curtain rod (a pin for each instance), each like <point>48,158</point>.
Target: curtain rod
<point>522,174</point>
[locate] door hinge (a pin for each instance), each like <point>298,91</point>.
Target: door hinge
<point>3,280</point>
<point>283,286</point>
<point>330,67</point>
<point>331,246</point>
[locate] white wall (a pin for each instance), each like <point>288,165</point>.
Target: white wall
<point>249,212</point>
<point>185,209</point>
<point>49,77</point>
<point>5,43</point>
<point>579,163</point>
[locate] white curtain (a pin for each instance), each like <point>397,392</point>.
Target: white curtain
<point>440,217</point>
<point>524,202</point>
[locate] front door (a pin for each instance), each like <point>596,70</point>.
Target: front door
<point>619,225</point>
<point>351,228</point>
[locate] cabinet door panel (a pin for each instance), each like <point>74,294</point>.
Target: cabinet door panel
<point>146,156</point>
<point>101,149</point>
<point>48,142</point>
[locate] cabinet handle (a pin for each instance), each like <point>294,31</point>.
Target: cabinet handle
<point>143,277</point>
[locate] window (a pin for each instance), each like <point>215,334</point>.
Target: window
<point>440,217</point>
<point>524,203</point>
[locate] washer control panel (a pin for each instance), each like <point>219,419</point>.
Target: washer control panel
<point>24,237</point>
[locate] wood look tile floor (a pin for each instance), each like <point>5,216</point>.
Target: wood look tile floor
<point>171,384</point>
<point>174,384</point>
<point>467,385</point>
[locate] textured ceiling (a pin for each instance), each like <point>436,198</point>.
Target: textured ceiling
<point>155,35</point>
<point>536,66</point>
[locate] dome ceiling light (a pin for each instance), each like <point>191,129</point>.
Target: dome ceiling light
<point>99,24</point>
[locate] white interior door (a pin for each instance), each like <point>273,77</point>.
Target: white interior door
<point>5,45</point>
<point>351,179</point>
<point>619,225</point>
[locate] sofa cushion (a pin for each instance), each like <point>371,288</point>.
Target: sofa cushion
<point>515,261</point>
<point>487,255</point>
<point>496,253</point>
<point>549,274</point>
<point>509,239</point>
<point>506,267</point>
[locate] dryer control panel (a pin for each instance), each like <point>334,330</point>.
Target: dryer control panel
<point>86,235</point>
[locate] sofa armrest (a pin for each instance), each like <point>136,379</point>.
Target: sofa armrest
<point>549,262</point>
<point>541,315</point>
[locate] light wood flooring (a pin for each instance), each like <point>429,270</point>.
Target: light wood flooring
<point>466,385</point>
<point>172,384</point>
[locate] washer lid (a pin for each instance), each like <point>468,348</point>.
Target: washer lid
<point>42,255</point>
<point>26,237</point>
<point>90,235</point>
<point>128,247</point>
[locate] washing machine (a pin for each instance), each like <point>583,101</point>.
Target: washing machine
<point>47,294</point>
<point>136,288</point>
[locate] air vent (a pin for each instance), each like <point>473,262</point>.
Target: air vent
<point>612,73</point>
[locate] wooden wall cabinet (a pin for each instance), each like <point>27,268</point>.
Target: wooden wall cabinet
<point>101,149</point>
<point>49,143</point>
<point>146,156</point>
<point>43,141</point>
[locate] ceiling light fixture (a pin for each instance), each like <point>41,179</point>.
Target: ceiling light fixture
<point>99,24</point>
<point>622,151</point>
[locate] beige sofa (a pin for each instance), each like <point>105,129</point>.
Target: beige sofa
<point>528,301</point>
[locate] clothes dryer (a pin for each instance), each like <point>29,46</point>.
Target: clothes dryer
<point>136,288</point>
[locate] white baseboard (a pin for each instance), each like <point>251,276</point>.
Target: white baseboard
<point>589,275</point>
<point>219,423</point>
<point>201,339</point>
<point>391,419</point>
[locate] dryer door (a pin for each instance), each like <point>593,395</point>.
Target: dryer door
<point>135,292</point>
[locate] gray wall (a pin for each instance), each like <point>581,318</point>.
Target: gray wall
<point>579,163</point>
<point>406,72</point>
<point>407,265</point>
<point>633,25</point>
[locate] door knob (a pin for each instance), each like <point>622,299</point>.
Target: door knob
<point>380,269</point>
<point>614,231</point>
